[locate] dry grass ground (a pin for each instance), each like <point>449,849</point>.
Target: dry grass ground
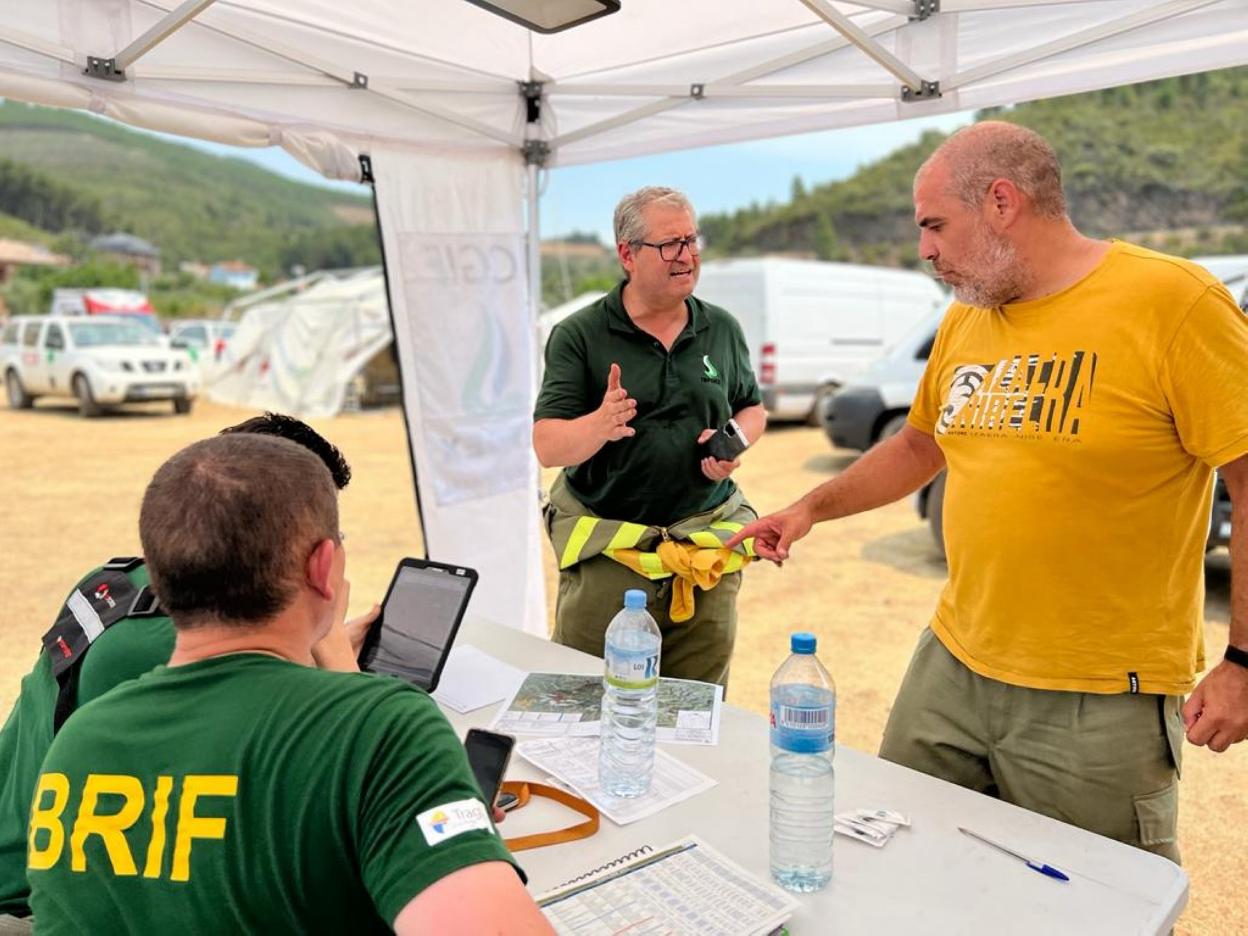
<point>866,585</point>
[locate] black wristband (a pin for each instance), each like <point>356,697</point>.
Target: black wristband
<point>1237,656</point>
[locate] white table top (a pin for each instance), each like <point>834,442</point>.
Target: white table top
<point>929,878</point>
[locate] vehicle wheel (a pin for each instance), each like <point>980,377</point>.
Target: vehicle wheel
<point>86,400</point>
<point>936,511</point>
<point>182,405</point>
<point>892,427</point>
<point>823,396</point>
<point>18,397</point>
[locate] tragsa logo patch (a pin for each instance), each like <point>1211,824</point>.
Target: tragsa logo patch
<point>452,819</point>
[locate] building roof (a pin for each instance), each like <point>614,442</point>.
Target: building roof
<point>233,266</point>
<point>23,253</point>
<point>122,243</point>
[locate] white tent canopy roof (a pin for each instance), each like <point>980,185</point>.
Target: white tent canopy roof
<point>656,76</point>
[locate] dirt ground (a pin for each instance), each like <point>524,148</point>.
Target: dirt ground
<point>866,586</point>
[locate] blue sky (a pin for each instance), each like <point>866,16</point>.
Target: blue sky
<point>716,178</point>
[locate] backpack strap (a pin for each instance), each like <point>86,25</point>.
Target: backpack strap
<point>101,600</point>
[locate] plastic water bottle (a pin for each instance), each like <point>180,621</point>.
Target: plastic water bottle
<point>803,731</point>
<point>630,699</point>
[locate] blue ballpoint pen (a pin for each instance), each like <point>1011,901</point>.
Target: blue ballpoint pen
<point>1040,866</point>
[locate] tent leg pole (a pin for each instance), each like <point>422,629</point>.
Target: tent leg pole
<point>534,243</point>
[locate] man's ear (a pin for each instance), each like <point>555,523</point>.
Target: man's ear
<point>1004,203</point>
<point>318,570</point>
<point>624,251</point>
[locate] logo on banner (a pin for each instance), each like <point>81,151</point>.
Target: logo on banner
<point>466,298</point>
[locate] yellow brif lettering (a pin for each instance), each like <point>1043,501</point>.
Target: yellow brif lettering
<point>190,826</point>
<point>47,819</point>
<point>110,828</point>
<point>160,808</point>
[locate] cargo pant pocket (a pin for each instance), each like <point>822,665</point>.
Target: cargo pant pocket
<point>1158,816</point>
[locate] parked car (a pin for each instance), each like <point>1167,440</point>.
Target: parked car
<point>874,405</point>
<point>98,360</point>
<point>204,339</point>
<point>812,327</point>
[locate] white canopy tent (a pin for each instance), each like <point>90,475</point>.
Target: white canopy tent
<point>458,108</point>
<point>298,347</point>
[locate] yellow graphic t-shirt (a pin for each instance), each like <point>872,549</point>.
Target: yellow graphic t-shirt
<point>1081,431</point>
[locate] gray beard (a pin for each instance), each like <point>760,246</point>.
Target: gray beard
<point>999,276</point>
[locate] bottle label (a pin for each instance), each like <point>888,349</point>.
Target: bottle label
<point>632,670</point>
<point>803,729</point>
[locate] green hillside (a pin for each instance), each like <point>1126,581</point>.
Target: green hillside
<point>1165,162</point>
<point>191,204</point>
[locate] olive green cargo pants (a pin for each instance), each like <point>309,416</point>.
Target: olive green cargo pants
<point>591,592</point>
<point>1106,763</point>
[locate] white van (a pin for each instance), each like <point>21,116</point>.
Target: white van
<point>812,326</point>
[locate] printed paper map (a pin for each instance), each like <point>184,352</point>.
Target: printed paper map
<point>562,704</point>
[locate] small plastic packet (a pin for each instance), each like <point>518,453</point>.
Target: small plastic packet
<point>858,833</point>
<point>883,815</point>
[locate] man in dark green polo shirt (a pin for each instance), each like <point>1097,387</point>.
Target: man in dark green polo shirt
<point>633,385</point>
<point>128,649</point>
<point>240,789</point>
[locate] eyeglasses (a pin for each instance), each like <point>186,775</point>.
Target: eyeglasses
<point>342,537</point>
<point>672,249</point>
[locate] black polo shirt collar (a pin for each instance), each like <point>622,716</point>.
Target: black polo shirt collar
<point>619,321</point>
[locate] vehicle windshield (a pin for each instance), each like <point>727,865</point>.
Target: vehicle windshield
<point>108,334</point>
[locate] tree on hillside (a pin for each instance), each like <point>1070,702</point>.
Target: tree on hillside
<point>827,244</point>
<point>43,202</point>
<point>798,190</point>
<point>332,248</point>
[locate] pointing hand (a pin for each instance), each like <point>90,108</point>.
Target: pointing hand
<point>617,409</point>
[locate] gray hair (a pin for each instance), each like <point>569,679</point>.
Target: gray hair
<point>978,155</point>
<point>630,225</point>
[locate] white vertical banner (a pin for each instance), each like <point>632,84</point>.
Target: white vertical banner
<point>452,228</point>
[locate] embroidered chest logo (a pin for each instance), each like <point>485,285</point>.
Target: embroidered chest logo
<point>709,371</point>
<point>1021,394</point>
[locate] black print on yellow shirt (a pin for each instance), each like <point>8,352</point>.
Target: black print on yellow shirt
<point>1020,393</point>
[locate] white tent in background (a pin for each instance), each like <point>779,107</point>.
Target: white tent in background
<point>458,109</point>
<point>299,347</point>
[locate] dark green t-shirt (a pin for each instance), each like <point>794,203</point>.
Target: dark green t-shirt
<point>244,793</point>
<point>126,650</point>
<point>655,476</point>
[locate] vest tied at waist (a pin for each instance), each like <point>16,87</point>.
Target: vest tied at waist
<point>693,550</point>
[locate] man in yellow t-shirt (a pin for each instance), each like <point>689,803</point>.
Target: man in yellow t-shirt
<point>1080,394</point>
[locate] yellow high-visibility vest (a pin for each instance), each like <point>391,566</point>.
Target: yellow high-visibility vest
<point>692,549</point>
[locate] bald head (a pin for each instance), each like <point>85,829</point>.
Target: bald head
<point>978,155</point>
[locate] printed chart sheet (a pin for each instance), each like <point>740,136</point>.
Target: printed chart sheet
<point>574,762</point>
<point>687,887</point>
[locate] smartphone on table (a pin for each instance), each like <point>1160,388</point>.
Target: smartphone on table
<point>489,752</point>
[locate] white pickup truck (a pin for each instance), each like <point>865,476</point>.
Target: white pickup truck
<point>98,360</point>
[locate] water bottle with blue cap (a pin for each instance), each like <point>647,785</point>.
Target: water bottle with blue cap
<point>803,732</point>
<point>630,699</point>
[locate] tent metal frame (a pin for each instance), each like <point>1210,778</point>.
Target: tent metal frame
<point>738,79</point>
<point>350,78</point>
<point>313,72</point>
